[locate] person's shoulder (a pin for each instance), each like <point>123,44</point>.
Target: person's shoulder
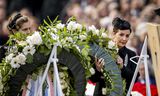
<point>129,51</point>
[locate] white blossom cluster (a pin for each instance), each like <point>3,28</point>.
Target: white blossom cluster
<point>16,59</point>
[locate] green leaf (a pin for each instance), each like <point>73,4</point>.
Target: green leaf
<point>29,58</point>
<point>43,49</point>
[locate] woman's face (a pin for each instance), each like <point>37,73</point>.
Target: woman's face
<point>25,27</point>
<point>121,37</point>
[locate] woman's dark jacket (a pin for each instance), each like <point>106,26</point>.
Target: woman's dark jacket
<point>127,71</point>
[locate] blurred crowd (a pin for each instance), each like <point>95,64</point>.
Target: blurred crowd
<point>101,13</point>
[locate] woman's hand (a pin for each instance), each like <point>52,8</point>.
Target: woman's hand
<point>120,61</point>
<point>99,63</point>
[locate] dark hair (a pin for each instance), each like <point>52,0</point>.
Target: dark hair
<point>120,24</point>
<point>15,21</point>
<point>157,11</point>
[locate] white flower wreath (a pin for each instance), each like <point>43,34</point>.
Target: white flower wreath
<point>71,36</point>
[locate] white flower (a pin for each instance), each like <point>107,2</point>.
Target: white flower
<point>79,26</point>
<point>54,36</point>
<point>64,85</point>
<point>62,42</point>
<point>9,57</point>
<point>77,47</point>
<point>92,71</point>
<point>60,26</point>
<point>104,92</point>
<point>94,30</point>
<point>62,81</point>
<point>111,44</point>
<point>13,49</point>
<point>104,35</point>
<point>35,39</point>
<point>64,68</point>
<point>48,29</point>
<point>69,39</point>
<point>14,63</point>
<point>54,29</point>
<point>21,58</point>
<point>22,43</point>
<point>82,37</point>
<point>71,26</point>
<point>29,50</point>
<point>67,93</point>
<point>61,74</point>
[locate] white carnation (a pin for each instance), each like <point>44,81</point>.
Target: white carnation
<point>14,63</point>
<point>54,29</point>
<point>94,30</point>
<point>60,26</point>
<point>64,85</point>
<point>22,43</point>
<point>29,50</point>
<point>62,81</point>
<point>13,49</point>
<point>64,68</point>
<point>35,39</point>
<point>79,26</point>
<point>21,59</point>
<point>82,37</point>
<point>9,57</point>
<point>54,36</point>
<point>71,26</point>
<point>104,91</point>
<point>92,71</point>
<point>111,44</point>
<point>104,35</point>
<point>69,39</point>
<point>61,74</point>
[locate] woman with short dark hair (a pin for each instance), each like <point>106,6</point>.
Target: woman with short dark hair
<point>121,33</point>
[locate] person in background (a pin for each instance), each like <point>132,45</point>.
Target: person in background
<point>140,85</point>
<point>20,23</point>
<point>16,23</point>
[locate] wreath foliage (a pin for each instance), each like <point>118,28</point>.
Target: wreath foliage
<point>76,42</point>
